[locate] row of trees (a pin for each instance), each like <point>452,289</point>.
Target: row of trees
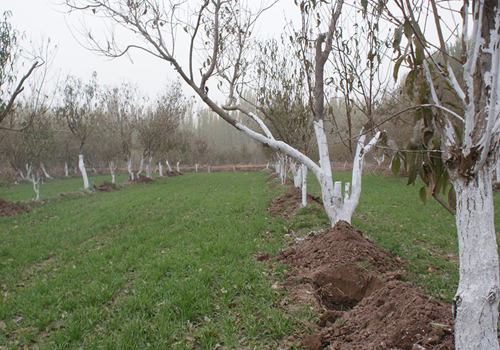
<point>457,125</point>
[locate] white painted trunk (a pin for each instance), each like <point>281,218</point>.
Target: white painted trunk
<point>160,169</point>
<point>66,171</point>
<point>36,186</point>
<point>267,166</point>
<point>209,168</point>
<point>45,172</point>
<point>76,170</point>
<point>196,166</point>
<point>29,174</point>
<point>498,172</point>
<point>303,171</point>
<point>296,173</point>
<point>234,168</point>
<point>478,291</point>
<point>129,168</point>
<point>178,169</point>
<point>141,166</point>
<point>379,160</point>
<point>81,166</point>
<point>148,172</point>
<point>22,175</point>
<point>168,166</point>
<point>112,169</point>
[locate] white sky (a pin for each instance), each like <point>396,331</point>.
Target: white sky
<point>46,19</point>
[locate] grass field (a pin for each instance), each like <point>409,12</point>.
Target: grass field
<point>170,264</point>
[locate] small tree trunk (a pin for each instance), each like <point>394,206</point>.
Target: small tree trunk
<point>178,169</point>
<point>303,171</point>
<point>29,174</point>
<point>160,169</point>
<point>129,168</point>
<point>196,166</point>
<point>498,171</point>
<point>209,168</point>
<point>66,171</point>
<point>140,167</point>
<point>168,166</point>
<point>148,173</point>
<point>81,166</point>
<point>112,168</point>
<point>476,300</point>
<point>36,186</point>
<point>45,172</point>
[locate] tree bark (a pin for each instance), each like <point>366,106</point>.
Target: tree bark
<point>81,166</point>
<point>476,301</point>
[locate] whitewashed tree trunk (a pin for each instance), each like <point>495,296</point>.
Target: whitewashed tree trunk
<point>234,169</point>
<point>296,173</point>
<point>477,296</point>
<point>303,171</point>
<point>22,174</point>
<point>129,169</point>
<point>380,159</point>
<point>178,169</point>
<point>76,169</point>
<point>45,172</point>
<point>66,171</point>
<point>209,168</point>
<point>267,166</point>
<point>112,169</point>
<point>196,166</point>
<point>160,169</point>
<point>141,166</point>
<point>352,193</point>
<point>168,166</point>
<point>148,172</point>
<point>498,171</point>
<point>36,186</point>
<point>29,173</point>
<point>83,171</point>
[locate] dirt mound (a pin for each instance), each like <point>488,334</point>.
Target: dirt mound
<point>140,180</point>
<point>289,202</point>
<point>173,173</point>
<point>9,208</point>
<point>107,186</point>
<point>365,306</point>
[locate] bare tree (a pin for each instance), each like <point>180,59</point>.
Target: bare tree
<point>10,87</point>
<point>80,109</point>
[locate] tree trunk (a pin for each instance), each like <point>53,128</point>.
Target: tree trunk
<point>196,165</point>
<point>476,300</point>
<point>66,171</point>
<point>148,172</point>
<point>45,172</point>
<point>112,168</point>
<point>178,169</point>
<point>168,166</point>
<point>303,170</point>
<point>129,168</point>
<point>81,166</point>
<point>141,165</point>
<point>160,169</point>
<point>36,186</point>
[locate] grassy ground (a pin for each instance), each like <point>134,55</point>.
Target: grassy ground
<point>168,264</point>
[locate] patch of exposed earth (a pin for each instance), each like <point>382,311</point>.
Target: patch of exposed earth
<point>107,186</point>
<point>356,286</point>
<point>8,208</point>
<point>287,204</point>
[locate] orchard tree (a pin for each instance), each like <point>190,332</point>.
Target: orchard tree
<point>80,108</point>
<point>10,86</point>
<point>219,33</point>
<point>457,139</point>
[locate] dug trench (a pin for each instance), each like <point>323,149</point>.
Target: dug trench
<point>357,289</point>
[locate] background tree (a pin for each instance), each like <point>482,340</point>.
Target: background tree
<point>80,108</point>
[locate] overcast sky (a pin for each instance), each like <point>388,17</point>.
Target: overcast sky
<point>46,19</point>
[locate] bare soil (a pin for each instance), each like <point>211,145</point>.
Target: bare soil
<point>289,202</point>
<point>357,288</point>
<point>107,186</point>
<point>9,208</point>
<point>140,180</point>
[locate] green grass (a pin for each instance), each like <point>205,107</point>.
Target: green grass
<point>170,264</point>
<point>163,265</point>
